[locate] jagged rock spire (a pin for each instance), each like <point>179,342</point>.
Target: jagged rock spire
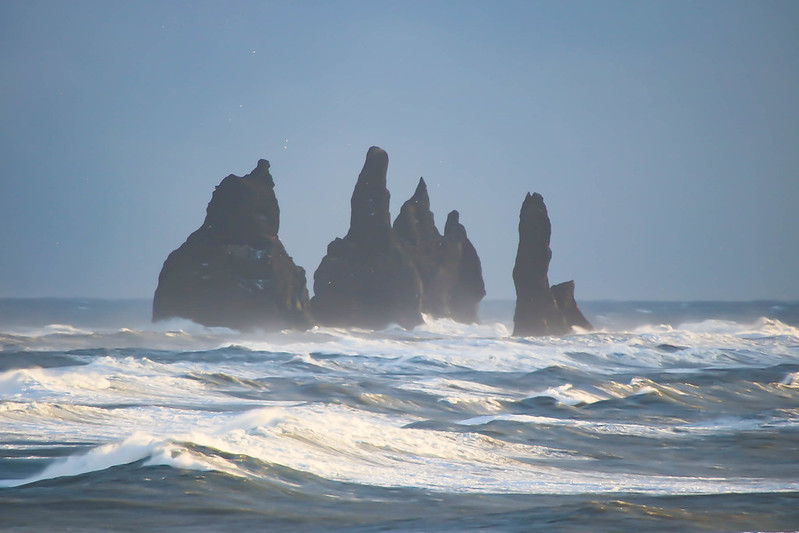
<point>234,271</point>
<point>370,221</point>
<point>415,225</point>
<point>448,265</point>
<point>366,279</point>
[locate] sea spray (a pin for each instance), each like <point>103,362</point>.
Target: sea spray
<point>583,429</point>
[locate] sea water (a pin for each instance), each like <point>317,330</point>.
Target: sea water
<point>670,416</point>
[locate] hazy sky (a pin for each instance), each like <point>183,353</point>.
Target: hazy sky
<point>664,136</point>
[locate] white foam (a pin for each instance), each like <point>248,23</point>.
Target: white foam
<point>450,328</point>
<point>486,346</point>
<point>342,444</point>
<point>724,425</point>
<point>791,380</point>
<point>133,449</point>
<point>159,411</point>
<point>569,395</point>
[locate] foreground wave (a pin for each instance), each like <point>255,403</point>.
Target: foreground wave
<point>690,424</point>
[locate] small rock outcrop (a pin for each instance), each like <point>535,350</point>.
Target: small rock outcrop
<point>234,271</point>
<point>564,297</point>
<point>448,265</point>
<point>367,279</point>
<point>540,309</point>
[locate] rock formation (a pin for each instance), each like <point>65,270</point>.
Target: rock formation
<point>448,265</point>
<point>564,297</point>
<point>540,310</point>
<point>367,279</point>
<point>468,288</point>
<point>234,271</point>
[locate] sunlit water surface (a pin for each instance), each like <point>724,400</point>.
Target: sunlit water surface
<point>669,417</point>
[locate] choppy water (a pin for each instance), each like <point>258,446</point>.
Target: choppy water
<point>670,417</point>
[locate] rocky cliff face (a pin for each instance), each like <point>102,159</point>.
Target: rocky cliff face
<point>416,231</point>
<point>468,287</point>
<point>540,310</point>
<point>367,279</point>
<point>448,265</point>
<point>234,271</point>
<point>564,297</point>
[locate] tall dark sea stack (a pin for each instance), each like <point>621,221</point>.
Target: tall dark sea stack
<point>367,279</point>
<point>468,287</point>
<point>448,265</point>
<point>540,310</point>
<point>234,271</point>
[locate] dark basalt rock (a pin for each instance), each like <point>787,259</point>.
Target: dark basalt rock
<point>367,279</point>
<point>540,310</point>
<point>564,297</point>
<point>234,271</point>
<point>416,231</point>
<point>448,265</point>
<point>468,287</point>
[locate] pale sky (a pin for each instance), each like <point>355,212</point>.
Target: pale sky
<point>664,136</point>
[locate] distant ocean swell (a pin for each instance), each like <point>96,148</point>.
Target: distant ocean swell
<point>671,416</point>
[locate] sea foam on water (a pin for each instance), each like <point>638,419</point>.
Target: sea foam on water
<point>447,411</point>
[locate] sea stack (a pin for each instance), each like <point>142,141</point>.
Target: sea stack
<point>564,297</point>
<point>540,310</point>
<point>234,271</point>
<point>448,265</point>
<point>468,288</point>
<point>367,279</point>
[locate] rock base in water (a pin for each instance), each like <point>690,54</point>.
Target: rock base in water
<point>540,309</point>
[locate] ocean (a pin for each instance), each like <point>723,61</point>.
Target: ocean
<point>669,417</point>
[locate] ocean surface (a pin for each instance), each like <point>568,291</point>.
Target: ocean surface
<point>669,417</point>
